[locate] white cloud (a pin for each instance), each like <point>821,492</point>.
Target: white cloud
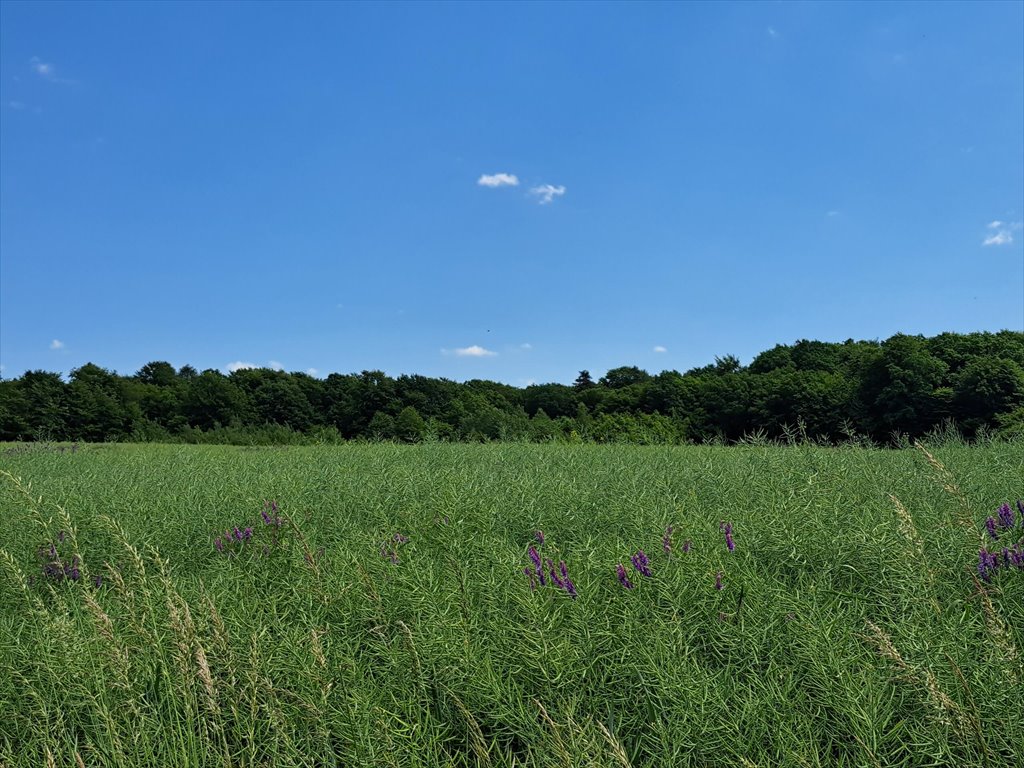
<point>1003,234</point>
<point>547,193</point>
<point>660,348</point>
<point>312,371</point>
<point>42,68</point>
<point>274,365</point>
<point>498,180</point>
<point>238,365</point>
<point>1002,237</point>
<point>772,32</point>
<point>473,351</point>
<point>56,344</point>
<point>526,345</point>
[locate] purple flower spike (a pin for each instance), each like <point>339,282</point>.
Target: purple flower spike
<point>641,563</point>
<point>666,540</point>
<point>247,533</point>
<point>687,546</point>
<point>990,525</point>
<point>538,567</point>
<point>533,581</point>
<point>539,535</point>
<point>1020,508</point>
<point>1005,516</point>
<point>718,580</point>
<point>729,542</point>
<point>218,544</point>
<point>554,574</point>
<point>620,571</point>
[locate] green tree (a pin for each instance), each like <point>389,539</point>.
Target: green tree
<point>409,426</point>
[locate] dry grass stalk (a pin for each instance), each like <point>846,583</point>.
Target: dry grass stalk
<point>79,762</point>
<point>618,750</point>
<point>915,544</point>
<point>947,711</point>
<point>556,732</point>
<point>117,654</point>
<point>1001,636</point>
<point>318,647</point>
<point>50,762</point>
<point>950,486</point>
<point>476,736</point>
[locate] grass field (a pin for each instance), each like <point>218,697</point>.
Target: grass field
<point>850,628</point>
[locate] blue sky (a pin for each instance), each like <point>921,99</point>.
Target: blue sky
<point>328,187</point>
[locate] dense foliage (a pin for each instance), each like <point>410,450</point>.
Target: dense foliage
<point>511,605</point>
<point>905,386</point>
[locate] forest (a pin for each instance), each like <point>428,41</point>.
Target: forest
<point>882,392</point>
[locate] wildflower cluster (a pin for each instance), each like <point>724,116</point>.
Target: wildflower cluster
<point>235,539</point>
<point>544,571</point>
<point>1000,530</point>
<point>389,549</point>
<point>53,567</point>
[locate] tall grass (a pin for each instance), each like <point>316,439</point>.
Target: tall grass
<point>851,628</point>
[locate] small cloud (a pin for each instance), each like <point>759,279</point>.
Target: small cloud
<point>312,371</point>
<point>772,32</point>
<point>47,71</point>
<point>473,351</point>
<point>498,180</point>
<point>42,68</point>
<point>547,193</point>
<point>1002,232</point>
<point>660,348</point>
<point>56,344</point>
<point>238,365</point>
<point>274,365</point>
<point>526,345</point>
<point>831,214</point>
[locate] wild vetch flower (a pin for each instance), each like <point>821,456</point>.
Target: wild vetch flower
<point>537,565</point>
<point>567,584</point>
<point>687,546</point>
<point>718,580</point>
<point>726,528</point>
<point>666,540</point>
<point>554,574</point>
<point>529,575</point>
<point>620,571</point>
<point>1020,508</point>
<point>1005,516</point>
<point>247,533</point>
<point>539,535</point>
<point>990,524</point>
<point>641,563</point>
<point>987,563</point>
<point>97,580</point>
<point>219,544</point>
<point>400,539</point>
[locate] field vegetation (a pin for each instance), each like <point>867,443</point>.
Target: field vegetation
<point>463,605</point>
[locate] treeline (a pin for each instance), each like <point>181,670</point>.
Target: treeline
<point>901,388</point>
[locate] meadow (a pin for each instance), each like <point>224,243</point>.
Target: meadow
<point>390,605</point>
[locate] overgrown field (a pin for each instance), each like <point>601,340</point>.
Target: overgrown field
<point>385,608</point>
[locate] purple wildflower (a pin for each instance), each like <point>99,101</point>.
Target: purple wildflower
<point>718,580</point>
<point>400,539</point>
<point>641,563</point>
<point>529,575</point>
<point>75,574</point>
<point>666,540</point>
<point>539,535</point>
<point>1005,516</point>
<point>567,584</point>
<point>97,580</point>
<point>729,542</point>
<point>554,574</point>
<point>986,564</point>
<point>990,525</point>
<point>537,565</point>
<point>1020,508</point>
<point>687,546</point>
<point>623,578</point>
<point>218,544</point>
<point>247,533</point>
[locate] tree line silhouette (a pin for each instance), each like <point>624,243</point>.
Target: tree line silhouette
<point>903,387</point>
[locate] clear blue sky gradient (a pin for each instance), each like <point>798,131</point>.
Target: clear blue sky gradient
<point>220,183</point>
